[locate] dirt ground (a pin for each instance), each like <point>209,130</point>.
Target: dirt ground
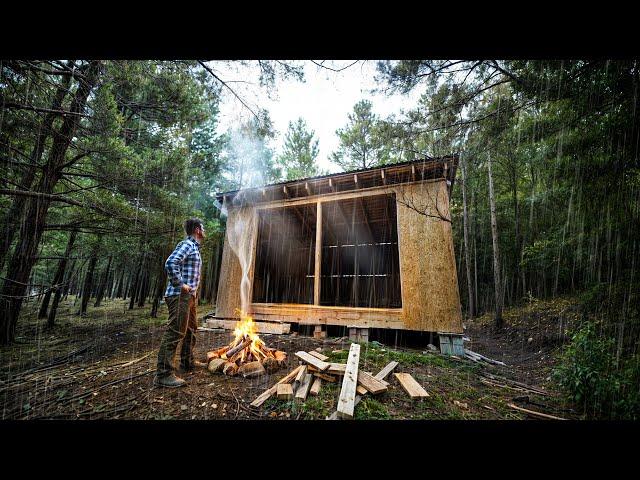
<point>102,366</point>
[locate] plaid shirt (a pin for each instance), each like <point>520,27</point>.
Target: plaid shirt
<point>183,266</point>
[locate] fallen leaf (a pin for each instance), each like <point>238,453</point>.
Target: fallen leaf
<point>214,405</point>
<point>183,407</point>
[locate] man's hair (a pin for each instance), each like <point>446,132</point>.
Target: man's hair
<point>191,224</point>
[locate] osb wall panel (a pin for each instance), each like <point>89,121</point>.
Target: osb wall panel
<point>430,297</point>
<point>228,298</point>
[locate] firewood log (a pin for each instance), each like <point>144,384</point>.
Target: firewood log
<point>251,369</point>
<point>241,346</point>
<point>230,369</point>
<point>216,364</point>
<point>271,364</point>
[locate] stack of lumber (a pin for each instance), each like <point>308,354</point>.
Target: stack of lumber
<point>307,379</point>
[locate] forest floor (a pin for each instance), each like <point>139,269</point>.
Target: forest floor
<point>101,367</point>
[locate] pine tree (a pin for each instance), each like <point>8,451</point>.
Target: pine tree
<point>300,151</point>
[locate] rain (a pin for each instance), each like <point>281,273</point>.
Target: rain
<point>475,221</point>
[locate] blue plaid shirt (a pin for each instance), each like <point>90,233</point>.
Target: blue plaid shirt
<point>183,266</point>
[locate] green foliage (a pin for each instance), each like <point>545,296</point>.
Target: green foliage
<point>300,151</point>
<point>361,144</point>
<point>601,386</point>
<point>371,409</point>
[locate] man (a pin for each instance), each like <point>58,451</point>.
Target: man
<point>183,268</point>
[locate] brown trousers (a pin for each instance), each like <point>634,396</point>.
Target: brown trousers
<point>181,328</point>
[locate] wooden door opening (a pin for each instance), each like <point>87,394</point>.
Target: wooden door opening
<point>360,265</point>
<point>285,255</point>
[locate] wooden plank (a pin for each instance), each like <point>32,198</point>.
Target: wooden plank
<point>264,396</point>
<point>371,383</point>
<point>409,384</point>
<point>299,377</point>
<point>318,256</point>
<point>534,413</point>
<point>303,389</point>
<point>346,402</point>
<point>381,375</point>
<point>337,368</point>
<point>383,382</point>
<point>325,377</point>
<point>311,360</point>
<point>261,327</point>
<point>318,355</point>
<point>360,390</point>
<point>315,388</point>
<point>284,391</point>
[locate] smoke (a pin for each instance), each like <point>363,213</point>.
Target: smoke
<point>240,231</point>
<point>249,159</point>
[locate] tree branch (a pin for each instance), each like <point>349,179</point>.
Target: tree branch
<point>224,84</point>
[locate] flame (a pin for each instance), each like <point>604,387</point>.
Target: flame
<point>246,345</point>
<point>246,328</point>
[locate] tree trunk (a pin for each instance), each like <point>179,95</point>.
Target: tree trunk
<point>465,222</point>
<point>103,284</point>
<point>160,287</point>
<point>518,239</point>
<point>88,283</point>
<point>51,319</point>
<point>58,277</point>
<point>496,250</point>
<point>144,285</point>
<point>136,283</point>
<point>120,286</point>
<point>34,220</point>
<point>15,212</point>
<point>69,281</point>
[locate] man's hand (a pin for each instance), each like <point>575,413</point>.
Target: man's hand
<point>185,288</point>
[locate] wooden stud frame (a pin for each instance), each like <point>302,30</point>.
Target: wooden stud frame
<point>447,316</point>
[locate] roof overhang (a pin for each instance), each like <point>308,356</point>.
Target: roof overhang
<point>392,174</point>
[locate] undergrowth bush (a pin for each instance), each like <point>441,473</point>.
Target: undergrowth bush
<point>602,385</point>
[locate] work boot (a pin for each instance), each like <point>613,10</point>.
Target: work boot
<point>170,381</point>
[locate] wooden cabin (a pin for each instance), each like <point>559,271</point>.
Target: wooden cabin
<point>362,249</point>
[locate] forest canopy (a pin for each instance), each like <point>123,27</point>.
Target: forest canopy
<point>101,161</point>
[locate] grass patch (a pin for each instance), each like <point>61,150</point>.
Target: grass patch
<point>371,409</point>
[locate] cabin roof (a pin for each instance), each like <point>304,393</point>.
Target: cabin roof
<point>391,174</point>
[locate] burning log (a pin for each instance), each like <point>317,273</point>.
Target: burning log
<point>231,352</point>
<point>247,349</point>
<point>216,353</point>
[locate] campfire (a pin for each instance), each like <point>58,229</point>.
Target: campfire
<point>247,354</point>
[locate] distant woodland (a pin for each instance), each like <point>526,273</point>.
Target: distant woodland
<point>101,161</point>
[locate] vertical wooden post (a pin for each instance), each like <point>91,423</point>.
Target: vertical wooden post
<point>316,278</point>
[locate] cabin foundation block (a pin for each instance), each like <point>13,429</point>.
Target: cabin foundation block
<point>319,332</point>
<point>357,334</point>
<point>451,343</point>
